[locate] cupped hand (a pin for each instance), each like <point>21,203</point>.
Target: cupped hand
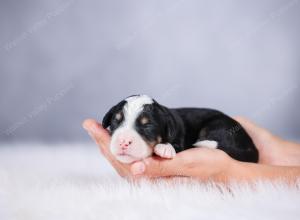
<point>102,138</point>
<point>206,164</point>
<point>201,163</point>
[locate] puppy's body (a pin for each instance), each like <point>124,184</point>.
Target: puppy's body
<point>140,127</point>
<point>206,127</point>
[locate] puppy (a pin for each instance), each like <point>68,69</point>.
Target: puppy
<point>140,127</point>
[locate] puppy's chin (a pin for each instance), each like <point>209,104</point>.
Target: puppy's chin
<point>131,157</point>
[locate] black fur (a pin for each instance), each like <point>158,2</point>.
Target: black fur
<point>207,124</point>
<point>108,119</point>
<point>182,127</point>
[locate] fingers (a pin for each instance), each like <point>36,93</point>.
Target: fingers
<point>157,167</point>
<point>102,138</point>
<point>98,133</point>
<point>150,167</point>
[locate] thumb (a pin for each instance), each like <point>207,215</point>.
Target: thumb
<point>98,133</point>
<point>156,167</point>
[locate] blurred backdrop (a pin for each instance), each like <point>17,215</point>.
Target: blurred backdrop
<point>62,61</point>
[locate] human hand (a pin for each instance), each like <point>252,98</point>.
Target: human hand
<point>211,164</point>
<point>201,163</point>
<point>102,138</point>
<point>273,150</point>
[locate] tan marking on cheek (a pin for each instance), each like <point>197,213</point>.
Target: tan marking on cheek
<point>118,116</point>
<point>144,120</point>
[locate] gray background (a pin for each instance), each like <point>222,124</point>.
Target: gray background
<point>64,61</point>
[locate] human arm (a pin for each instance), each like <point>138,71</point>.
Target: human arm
<point>208,164</point>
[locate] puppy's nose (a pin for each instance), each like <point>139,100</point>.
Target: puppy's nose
<point>124,143</point>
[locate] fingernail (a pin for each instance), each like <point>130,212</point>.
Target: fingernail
<point>138,168</point>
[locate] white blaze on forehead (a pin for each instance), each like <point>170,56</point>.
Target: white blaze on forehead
<point>139,100</point>
<point>139,149</point>
<point>134,107</point>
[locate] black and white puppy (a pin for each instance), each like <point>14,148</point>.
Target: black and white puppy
<point>140,127</point>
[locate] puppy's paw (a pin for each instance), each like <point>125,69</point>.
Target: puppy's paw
<point>165,150</point>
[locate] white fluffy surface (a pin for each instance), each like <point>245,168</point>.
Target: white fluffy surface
<point>75,182</point>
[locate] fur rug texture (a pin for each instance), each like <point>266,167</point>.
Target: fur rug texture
<point>71,182</point>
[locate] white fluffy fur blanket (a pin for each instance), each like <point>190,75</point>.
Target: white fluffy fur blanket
<point>75,182</point>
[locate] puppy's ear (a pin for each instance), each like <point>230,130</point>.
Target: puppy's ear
<point>168,123</point>
<point>108,116</point>
<point>170,127</point>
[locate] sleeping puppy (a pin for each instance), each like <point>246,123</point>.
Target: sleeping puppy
<point>140,127</point>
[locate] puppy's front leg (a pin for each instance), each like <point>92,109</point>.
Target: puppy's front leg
<point>165,150</point>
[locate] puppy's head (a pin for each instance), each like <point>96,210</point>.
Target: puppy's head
<point>137,124</point>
